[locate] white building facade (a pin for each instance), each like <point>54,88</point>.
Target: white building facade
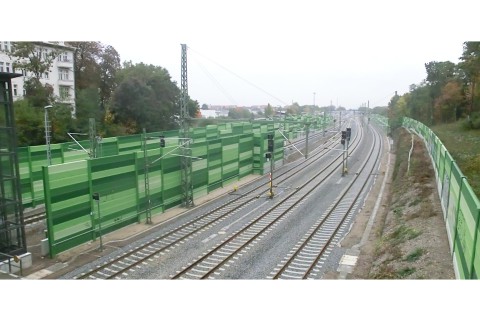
<point>61,75</point>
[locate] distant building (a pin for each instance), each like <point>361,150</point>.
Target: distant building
<point>61,75</point>
<point>209,113</point>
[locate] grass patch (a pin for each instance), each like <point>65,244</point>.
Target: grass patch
<point>464,146</point>
<point>415,255</point>
<point>385,272</point>
<point>405,272</point>
<point>402,234</point>
<point>415,201</point>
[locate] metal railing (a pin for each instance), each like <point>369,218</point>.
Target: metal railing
<point>14,263</point>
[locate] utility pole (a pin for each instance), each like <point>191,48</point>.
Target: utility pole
<point>48,133</point>
<point>307,126</point>
<point>324,121</point>
<point>147,179</point>
<point>186,160</point>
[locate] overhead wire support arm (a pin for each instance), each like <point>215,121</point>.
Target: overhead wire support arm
<point>292,144</point>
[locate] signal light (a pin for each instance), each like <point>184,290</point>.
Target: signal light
<point>162,142</point>
<point>270,142</point>
<point>268,156</point>
<point>349,132</point>
<point>344,135</point>
<point>343,141</point>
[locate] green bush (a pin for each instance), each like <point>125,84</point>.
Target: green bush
<point>473,122</point>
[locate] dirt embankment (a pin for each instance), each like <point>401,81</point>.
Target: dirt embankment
<point>409,238</point>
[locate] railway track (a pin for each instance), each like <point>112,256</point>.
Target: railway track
<point>120,265</point>
<point>305,259</point>
<point>210,264</point>
<point>33,218</point>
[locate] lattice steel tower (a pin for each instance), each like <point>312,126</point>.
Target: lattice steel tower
<point>186,158</point>
<point>12,231</point>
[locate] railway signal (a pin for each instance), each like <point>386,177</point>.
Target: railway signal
<point>269,156</point>
<point>162,141</point>
<point>270,142</point>
<point>344,137</point>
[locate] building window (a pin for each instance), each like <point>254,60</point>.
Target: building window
<point>64,92</point>
<point>46,75</point>
<point>1,46</point>
<point>6,46</point>
<point>24,72</point>
<point>63,56</point>
<point>7,69</point>
<point>1,67</point>
<point>15,90</point>
<point>63,74</point>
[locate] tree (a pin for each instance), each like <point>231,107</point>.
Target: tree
<point>87,59</point>
<point>449,102</point>
<point>38,95</point>
<point>470,65</point>
<point>239,113</point>
<point>147,98</point>
<point>34,60</point>
<point>269,112</point>
<point>133,105</point>
<point>96,67</point>
<point>438,74</point>
<point>293,109</point>
<point>87,102</point>
<point>30,124</point>
<point>32,57</point>
<point>419,102</point>
<point>109,65</point>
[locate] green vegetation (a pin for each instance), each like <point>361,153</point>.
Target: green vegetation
<point>415,255</point>
<point>449,93</point>
<point>403,273</point>
<point>123,99</point>
<point>464,146</point>
<point>448,101</point>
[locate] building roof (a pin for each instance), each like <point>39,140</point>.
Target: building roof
<point>9,75</point>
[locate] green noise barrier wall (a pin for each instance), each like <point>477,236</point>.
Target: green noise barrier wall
<point>222,154</point>
<point>460,205</point>
<point>33,158</point>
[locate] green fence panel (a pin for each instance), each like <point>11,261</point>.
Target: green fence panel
<point>154,178</point>
<point>67,205</point>
<point>26,181</point>
<point>172,177</point>
<point>460,204</point>
<point>115,180</point>
<point>441,167</point>
<point>172,191</point>
<point>476,255</point>
<point>200,177</point>
<point>72,152</point>
<point>454,195</point>
<point>467,229</point>
<point>212,132</point>
<point>108,147</point>
<point>128,144</point>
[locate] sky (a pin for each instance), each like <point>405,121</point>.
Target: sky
<point>346,53</point>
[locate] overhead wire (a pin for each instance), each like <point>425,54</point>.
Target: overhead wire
<point>238,76</point>
<point>216,82</point>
